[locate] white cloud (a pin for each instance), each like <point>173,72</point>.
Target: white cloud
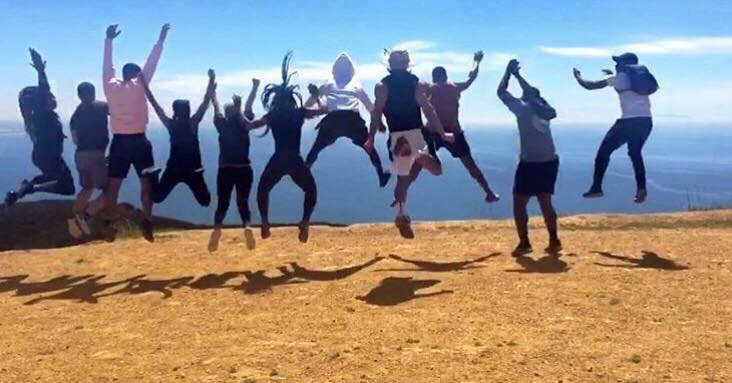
<point>671,46</point>
<point>422,53</point>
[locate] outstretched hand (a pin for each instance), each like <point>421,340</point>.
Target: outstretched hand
<point>577,74</point>
<point>211,74</point>
<point>255,83</point>
<point>313,89</point>
<point>478,56</point>
<point>36,60</point>
<point>164,32</point>
<point>112,31</point>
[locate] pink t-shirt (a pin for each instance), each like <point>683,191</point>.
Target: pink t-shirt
<point>126,99</point>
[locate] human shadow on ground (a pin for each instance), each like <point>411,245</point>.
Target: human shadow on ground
<point>648,260</point>
<point>396,290</point>
<point>439,267</point>
<point>328,275</point>
<point>548,264</point>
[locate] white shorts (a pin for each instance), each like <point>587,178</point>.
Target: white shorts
<point>415,139</point>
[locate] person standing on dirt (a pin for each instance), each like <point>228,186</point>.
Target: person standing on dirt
<point>402,98</point>
<point>634,84</point>
<point>90,134</point>
<point>128,122</point>
<point>538,166</point>
<point>445,98</point>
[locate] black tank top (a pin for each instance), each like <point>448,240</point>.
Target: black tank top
<point>287,130</point>
<point>402,110</point>
<point>185,152</point>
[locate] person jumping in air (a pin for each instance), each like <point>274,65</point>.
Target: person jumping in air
<point>343,97</point>
<point>37,107</point>
<point>90,134</point>
<point>538,165</point>
<point>445,98</point>
<point>402,98</point>
<point>184,163</point>
<point>285,116</point>
<point>235,170</point>
<point>634,84</point>
<point>128,122</point>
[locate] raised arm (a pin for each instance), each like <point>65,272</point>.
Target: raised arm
<point>589,85</point>
<point>314,96</point>
<point>108,63</point>
<point>502,90</point>
<point>429,111</point>
<point>381,92</point>
<point>158,110</point>
<point>152,60</point>
<point>210,89</point>
<point>248,112</point>
<point>216,106</point>
<point>477,58</point>
<point>44,89</point>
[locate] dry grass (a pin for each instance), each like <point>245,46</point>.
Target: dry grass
<point>360,304</point>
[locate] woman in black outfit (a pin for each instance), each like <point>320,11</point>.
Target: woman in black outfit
<point>37,105</point>
<point>285,117</point>
<point>184,163</point>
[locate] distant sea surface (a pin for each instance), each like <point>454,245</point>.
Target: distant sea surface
<point>686,165</point>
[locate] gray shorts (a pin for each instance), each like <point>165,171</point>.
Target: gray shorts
<point>92,167</point>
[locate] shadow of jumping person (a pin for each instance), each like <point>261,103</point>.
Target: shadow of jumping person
<point>438,267</point>
<point>11,283</point>
<point>55,284</point>
<point>214,281</point>
<point>257,282</point>
<point>395,290</point>
<point>84,292</point>
<point>548,264</point>
<point>648,260</point>
<point>328,275</point>
<point>142,286</point>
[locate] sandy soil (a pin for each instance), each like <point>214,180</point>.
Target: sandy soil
<point>631,299</point>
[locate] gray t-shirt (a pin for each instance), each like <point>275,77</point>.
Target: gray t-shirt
<point>537,144</point>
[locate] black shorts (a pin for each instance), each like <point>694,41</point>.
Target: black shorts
<point>342,123</point>
<point>457,149</point>
<point>534,178</point>
<point>130,149</point>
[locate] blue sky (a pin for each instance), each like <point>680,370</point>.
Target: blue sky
<point>687,44</point>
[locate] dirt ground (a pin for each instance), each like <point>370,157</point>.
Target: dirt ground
<point>631,299</point>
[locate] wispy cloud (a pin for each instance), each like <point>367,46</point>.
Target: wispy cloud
<point>424,56</point>
<point>671,46</point>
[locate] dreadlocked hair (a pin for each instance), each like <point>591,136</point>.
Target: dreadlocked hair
<point>281,100</point>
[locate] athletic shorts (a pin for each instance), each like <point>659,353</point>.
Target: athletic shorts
<point>130,150</point>
<point>92,168</point>
<point>534,178</point>
<point>415,140</point>
<point>342,123</point>
<point>457,149</point>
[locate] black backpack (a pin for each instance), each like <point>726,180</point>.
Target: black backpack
<point>641,80</point>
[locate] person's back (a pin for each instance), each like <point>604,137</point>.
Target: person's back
<point>402,110</point>
<point>89,123</point>
<point>234,141</point>
<point>287,130</point>
<point>128,112</point>
<point>345,97</point>
<point>185,151</point>
<point>445,98</point>
<point>632,104</point>
<point>535,135</point>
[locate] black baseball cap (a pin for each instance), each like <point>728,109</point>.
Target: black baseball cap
<point>626,58</point>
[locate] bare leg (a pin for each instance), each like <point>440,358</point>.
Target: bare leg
<point>521,217</point>
<point>82,200</point>
<point>112,194</point>
<point>95,206</point>
<point>146,194</point>
<point>477,175</point>
<point>550,219</point>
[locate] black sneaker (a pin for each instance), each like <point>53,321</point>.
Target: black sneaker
<point>147,230</point>
<point>593,193</point>
<point>522,248</point>
<point>11,198</point>
<point>384,179</point>
<point>555,246</point>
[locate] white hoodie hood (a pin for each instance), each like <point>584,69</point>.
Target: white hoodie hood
<point>345,93</point>
<point>343,70</point>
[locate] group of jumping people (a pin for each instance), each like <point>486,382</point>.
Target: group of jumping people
<point>400,97</point>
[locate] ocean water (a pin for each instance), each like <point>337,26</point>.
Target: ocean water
<point>686,164</point>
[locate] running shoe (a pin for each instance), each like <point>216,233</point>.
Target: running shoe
<point>522,248</point>
<point>593,193</point>
<point>147,230</point>
<point>640,196</point>
<point>555,246</point>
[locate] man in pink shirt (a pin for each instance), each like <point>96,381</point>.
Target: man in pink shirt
<point>128,119</point>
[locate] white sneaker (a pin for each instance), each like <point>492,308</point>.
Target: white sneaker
<point>74,229</point>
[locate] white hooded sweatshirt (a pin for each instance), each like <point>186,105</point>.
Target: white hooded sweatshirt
<point>344,93</point>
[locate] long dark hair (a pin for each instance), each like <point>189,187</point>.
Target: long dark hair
<point>281,100</point>
<point>26,103</point>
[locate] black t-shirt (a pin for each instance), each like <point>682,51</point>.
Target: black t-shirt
<point>402,110</point>
<point>233,141</point>
<point>89,123</point>
<point>287,130</point>
<point>49,134</point>
<point>185,151</point>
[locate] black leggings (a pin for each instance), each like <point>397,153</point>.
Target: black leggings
<point>631,131</point>
<point>172,177</point>
<point>55,178</point>
<point>228,179</point>
<point>281,164</point>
